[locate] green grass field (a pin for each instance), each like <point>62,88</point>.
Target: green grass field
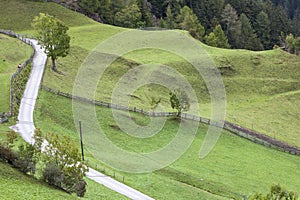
<point>13,52</point>
<point>16,185</point>
<point>235,166</point>
<point>262,90</point>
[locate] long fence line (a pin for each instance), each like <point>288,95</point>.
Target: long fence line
<point>233,128</point>
<point>25,39</point>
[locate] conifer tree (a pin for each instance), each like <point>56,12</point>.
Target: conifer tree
<point>248,39</point>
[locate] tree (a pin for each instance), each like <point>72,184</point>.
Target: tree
<point>89,5</point>
<point>248,39</point>
<point>231,25</point>
<point>179,101</point>
<point>290,43</point>
<point>211,39</point>
<point>146,12</point>
<point>188,21</point>
<point>263,29</point>
<point>221,39</point>
<point>52,35</point>
<point>170,22</point>
<point>63,161</point>
<point>129,17</point>
<point>276,193</point>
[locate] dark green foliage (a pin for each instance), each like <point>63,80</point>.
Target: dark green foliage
<point>18,87</point>
<point>7,155</point>
<point>90,5</point>
<point>248,39</point>
<point>52,35</point>
<point>179,101</point>
<point>129,17</point>
<point>231,25</point>
<point>27,158</point>
<point>217,38</point>
<point>188,21</point>
<point>276,193</point>
<point>53,175</point>
<point>263,29</point>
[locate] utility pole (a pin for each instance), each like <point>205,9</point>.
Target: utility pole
<point>81,143</point>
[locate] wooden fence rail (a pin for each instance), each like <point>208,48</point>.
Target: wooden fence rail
<point>233,128</point>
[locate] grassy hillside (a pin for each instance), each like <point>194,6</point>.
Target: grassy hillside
<point>235,166</point>
<point>261,89</point>
<point>17,15</point>
<point>13,52</point>
<point>16,185</point>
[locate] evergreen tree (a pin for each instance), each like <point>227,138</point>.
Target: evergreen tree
<point>170,21</point>
<point>206,10</point>
<point>279,22</point>
<point>129,17</point>
<point>217,38</point>
<point>146,12</point>
<point>290,43</point>
<point>248,39</point>
<point>89,5</point>
<point>104,11</point>
<point>211,39</point>
<point>263,29</point>
<point>189,21</point>
<point>231,25</point>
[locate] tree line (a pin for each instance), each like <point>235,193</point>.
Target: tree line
<point>246,24</point>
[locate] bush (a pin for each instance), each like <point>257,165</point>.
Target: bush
<point>53,175</point>
<point>7,155</point>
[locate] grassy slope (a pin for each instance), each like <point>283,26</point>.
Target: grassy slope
<point>16,185</point>
<point>13,52</point>
<point>235,167</point>
<point>232,57</point>
<point>17,15</point>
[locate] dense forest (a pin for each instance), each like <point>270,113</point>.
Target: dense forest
<point>245,24</point>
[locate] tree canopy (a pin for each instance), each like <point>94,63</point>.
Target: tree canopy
<point>52,35</point>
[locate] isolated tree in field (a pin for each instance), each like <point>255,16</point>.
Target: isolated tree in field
<point>180,101</point>
<point>52,35</point>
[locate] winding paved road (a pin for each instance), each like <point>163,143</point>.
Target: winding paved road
<point>25,126</point>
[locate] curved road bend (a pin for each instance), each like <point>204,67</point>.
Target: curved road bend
<point>25,126</point>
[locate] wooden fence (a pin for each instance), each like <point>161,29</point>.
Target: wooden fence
<point>25,39</point>
<point>231,127</point>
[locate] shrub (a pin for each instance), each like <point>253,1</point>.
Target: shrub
<point>53,175</point>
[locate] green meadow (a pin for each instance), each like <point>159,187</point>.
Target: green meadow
<point>262,93</point>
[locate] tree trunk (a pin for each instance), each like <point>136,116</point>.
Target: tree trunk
<point>53,64</point>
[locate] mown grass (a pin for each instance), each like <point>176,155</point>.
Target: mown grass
<point>234,168</point>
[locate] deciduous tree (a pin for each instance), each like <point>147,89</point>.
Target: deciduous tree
<point>52,35</point>
<point>180,101</point>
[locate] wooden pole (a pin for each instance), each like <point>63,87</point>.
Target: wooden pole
<point>81,143</point>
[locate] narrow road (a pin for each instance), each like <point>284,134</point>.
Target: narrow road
<point>25,126</point>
